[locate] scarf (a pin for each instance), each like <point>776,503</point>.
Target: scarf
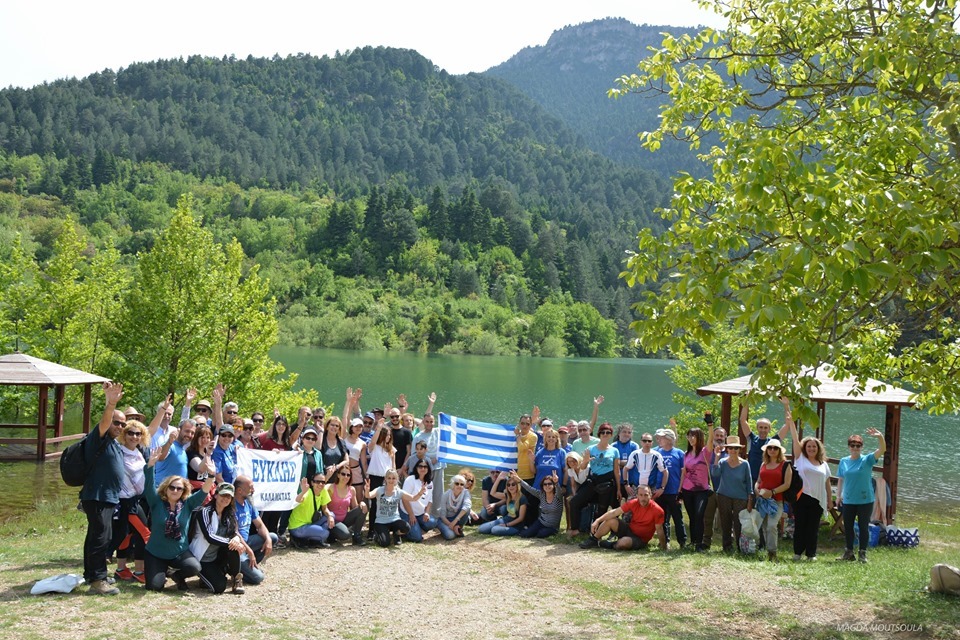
<point>171,528</point>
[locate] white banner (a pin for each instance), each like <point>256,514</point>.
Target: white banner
<point>275,475</point>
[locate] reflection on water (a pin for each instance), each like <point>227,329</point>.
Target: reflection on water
<point>499,389</point>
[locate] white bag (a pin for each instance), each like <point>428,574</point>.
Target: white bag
<point>63,583</point>
<point>749,531</point>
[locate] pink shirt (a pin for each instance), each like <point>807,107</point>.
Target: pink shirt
<point>697,468</point>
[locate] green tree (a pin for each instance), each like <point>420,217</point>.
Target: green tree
<point>828,225</point>
<point>193,318</point>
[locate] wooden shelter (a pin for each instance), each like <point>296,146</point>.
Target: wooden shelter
<point>830,390</point>
<point>21,370</point>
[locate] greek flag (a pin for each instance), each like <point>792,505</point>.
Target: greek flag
<point>482,445</point>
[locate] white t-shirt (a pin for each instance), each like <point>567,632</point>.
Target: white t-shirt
<point>412,486</point>
<point>814,479</point>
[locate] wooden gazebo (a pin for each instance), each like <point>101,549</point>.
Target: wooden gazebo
<point>830,390</point>
<point>21,370</point>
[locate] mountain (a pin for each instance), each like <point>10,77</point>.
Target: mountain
<point>570,75</point>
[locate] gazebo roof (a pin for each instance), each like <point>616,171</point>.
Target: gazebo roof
<point>21,369</point>
<point>829,390</point>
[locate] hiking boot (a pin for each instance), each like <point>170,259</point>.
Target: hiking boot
<point>358,540</point>
<point>771,556</point>
<point>811,558</point>
<point>606,544</point>
<point>862,557</point>
<point>236,586</point>
<point>180,581</point>
<point>123,574</point>
<point>797,557</point>
<point>139,577</point>
<point>590,543</point>
<point>101,588</point>
<point>323,545</point>
<point>847,556</point>
<point>397,539</point>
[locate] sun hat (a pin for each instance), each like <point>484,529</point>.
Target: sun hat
<point>774,443</point>
<point>733,441</point>
<point>132,412</point>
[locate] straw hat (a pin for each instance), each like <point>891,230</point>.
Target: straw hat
<point>774,443</point>
<point>733,442</point>
<point>132,413</point>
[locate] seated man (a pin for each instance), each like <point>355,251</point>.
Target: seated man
<point>645,519</point>
<point>261,542</point>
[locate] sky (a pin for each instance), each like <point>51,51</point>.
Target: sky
<point>45,40</point>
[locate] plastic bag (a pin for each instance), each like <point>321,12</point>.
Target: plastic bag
<point>63,583</point>
<point>750,523</point>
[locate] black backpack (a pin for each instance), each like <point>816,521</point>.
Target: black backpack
<point>796,484</point>
<point>73,463</point>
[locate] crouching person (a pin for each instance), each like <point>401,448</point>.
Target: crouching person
<point>387,524</point>
<point>253,531</point>
<point>214,541</point>
<point>635,523</point>
<point>171,505</point>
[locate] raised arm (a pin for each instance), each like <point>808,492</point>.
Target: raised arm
<point>744,423</point>
<point>218,393</point>
<point>112,391</point>
<point>788,423</point>
<point>432,398</point>
<point>881,443</point>
<point>161,414</point>
<point>188,399</point>
<point>596,412</point>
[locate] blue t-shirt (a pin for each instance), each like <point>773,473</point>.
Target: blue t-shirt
<point>673,462</point>
<point>625,449</point>
<point>246,514</point>
<point>548,462</point>
<point>601,462</point>
<point>175,464</point>
<point>226,461</point>
<point>755,457</point>
<point>857,479</point>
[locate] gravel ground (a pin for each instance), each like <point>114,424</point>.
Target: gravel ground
<point>477,587</point>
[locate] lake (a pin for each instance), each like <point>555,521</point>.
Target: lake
<point>501,388</point>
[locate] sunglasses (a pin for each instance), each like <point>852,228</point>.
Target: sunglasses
<point>606,433</point>
<point>318,482</point>
<point>855,445</point>
<point>226,435</point>
<point>345,474</point>
<point>256,420</point>
<point>174,488</point>
<point>134,434</point>
<point>309,437</point>
<point>203,410</point>
<point>119,423</point>
<point>318,416</point>
<point>422,466</point>
<point>547,484</point>
<point>511,484</point>
<point>248,428</point>
<point>647,440</point>
<point>458,484</point>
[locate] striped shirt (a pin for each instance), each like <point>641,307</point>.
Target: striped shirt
<point>550,512</point>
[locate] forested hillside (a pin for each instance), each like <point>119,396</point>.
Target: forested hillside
<point>387,203</point>
<point>570,76</point>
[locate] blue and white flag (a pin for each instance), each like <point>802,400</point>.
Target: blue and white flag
<point>482,445</point>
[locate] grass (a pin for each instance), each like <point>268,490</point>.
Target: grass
<point>660,595</point>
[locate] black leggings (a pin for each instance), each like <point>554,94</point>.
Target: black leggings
<point>596,489</point>
<point>381,532</point>
<point>806,517</point>
<point>862,513</point>
<point>155,569</point>
<point>214,574</point>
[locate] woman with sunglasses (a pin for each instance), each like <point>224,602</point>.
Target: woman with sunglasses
<point>603,484</point>
<point>333,448</point>
<point>734,491</point>
<point>225,454</point>
<point>217,544</point>
<point>453,512</point>
<point>419,510</point>
<point>774,478</point>
<point>312,460</point>
<point>855,491</point>
<point>200,450</point>
<point>512,511</point>
<point>695,484</point>
<point>550,496</point>
<point>349,512</point>
<point>278,438</point>
<point>129,518</point>
<point>171,505</point>
<point>311,520</point>
<point>381,452</point>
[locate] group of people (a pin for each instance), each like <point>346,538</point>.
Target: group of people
<point>172,501</point>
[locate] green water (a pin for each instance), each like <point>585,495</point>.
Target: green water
<point>499,389</point>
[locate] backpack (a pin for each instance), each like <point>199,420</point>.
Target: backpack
<point>796,484</point>
<point>73,463</point>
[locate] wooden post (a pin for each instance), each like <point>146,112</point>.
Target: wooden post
<point>725,405</point>
<point>86,409</point>
<point>42,423</point>
<point>822,419</point>
<point>891,459</point>
<point>59,396</point>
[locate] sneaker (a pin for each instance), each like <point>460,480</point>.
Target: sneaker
<point>590,543</point>
<point>359,541</point>
<point>110,580</point>
<point>139,577</point>
<point>606,544</point>
<point>123,574</point>
<point>237,585</point>
<point>847,556</point>
<point>323,545</point>
<point>102,588</point>
<point>811,558</point>
<point>397,539</point>
<point>281,543</point>
<point>797,558</point>
<point>862,557</point>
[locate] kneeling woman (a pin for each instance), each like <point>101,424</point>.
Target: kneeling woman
<point>215,542</point>
<point>454,509</point>
<point>171,505</point>
<point>387,521</point>
<point>551,506</point>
